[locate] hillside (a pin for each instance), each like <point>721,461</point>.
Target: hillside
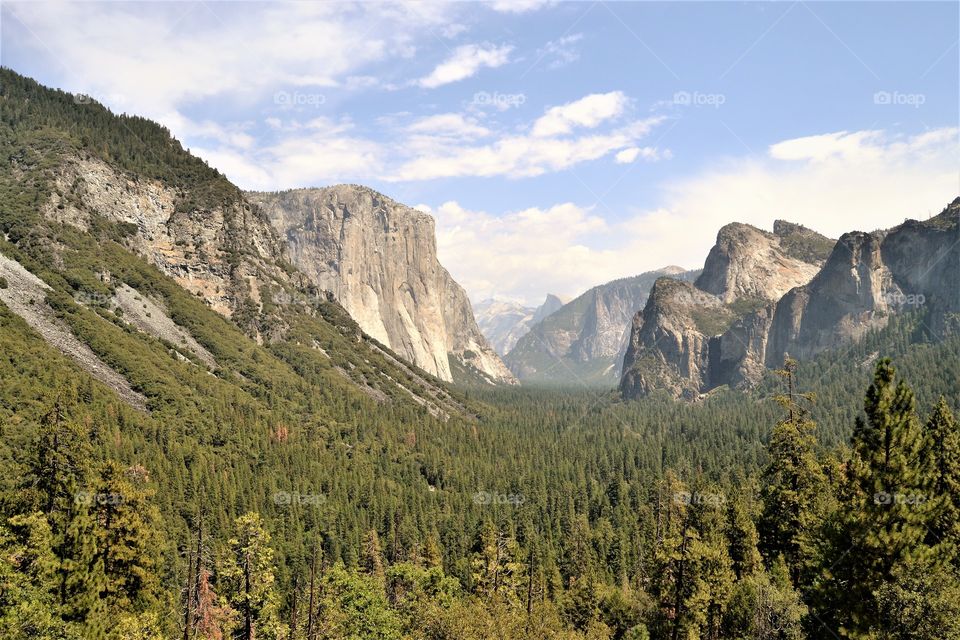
<point>584,341</point>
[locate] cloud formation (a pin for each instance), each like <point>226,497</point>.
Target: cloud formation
<point>464,62</point>
<point>832,183</point>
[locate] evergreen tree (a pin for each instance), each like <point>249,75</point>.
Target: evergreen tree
<point>248,574</point>
<point>941,461</point>
<point>793,485</point>
<point>881,519</point>
<point>128,542</point>
<point>372,559</point>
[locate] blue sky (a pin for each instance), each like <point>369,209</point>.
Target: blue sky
<point>558,145</point>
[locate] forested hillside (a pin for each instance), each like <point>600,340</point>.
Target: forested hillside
<point>287,477</point>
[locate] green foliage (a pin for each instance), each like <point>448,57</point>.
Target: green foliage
<point>38,124</point>
<point>247,575</point>
<point>294,486</point>
<point>920,601</point>
<point>765,605</point>
<point>354,607</point>
<point>794,488</point>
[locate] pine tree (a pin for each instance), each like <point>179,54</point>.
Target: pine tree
<point>743,536</point>
<point>941,461</point>
<point>248,574</point>
<point>372,559</point>
<point>128,541</point>
<point>881,520</point>
<point>793,485</point>
<point>497,569</point>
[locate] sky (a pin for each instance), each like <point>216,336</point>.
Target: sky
<point>558,145</point>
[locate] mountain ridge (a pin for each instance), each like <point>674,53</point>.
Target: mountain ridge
<point>583,342</point>
<point>760,316</point>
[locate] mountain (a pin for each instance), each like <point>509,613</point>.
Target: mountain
<point>747,263</point>
<point>379,260</point>
<point>804,295</point>
<point>503,322</point>
<point>870,277</point>
<point>155,276</point>
<point>194,435</point>
<point>583,342</point>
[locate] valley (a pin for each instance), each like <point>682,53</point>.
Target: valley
<point>242,402</point>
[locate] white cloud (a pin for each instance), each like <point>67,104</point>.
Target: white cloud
<point>314,153</point>
<point>464,62</point>
<point>829,145</point>
<point>627,155</point>
<point>521,254</point>
<point>449,124</point>
<point>588,112</point>
<point>155,58</point>
<point>833,183</point>
<point>519,6</point>
<point>517,156</point>
<point>547,147</point>
<point>560,52</point>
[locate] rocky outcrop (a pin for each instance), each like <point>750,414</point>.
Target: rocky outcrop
<point>845,300</point>
<point>747,263</point>
<point>869,278</point>
<point>924,258</point>
<point>670,340</point>
<point>220,255</point>
<point>584,341</point>
<point>378,258</point>
<point>692,338</point>
<point>866,279</point>
<point>504,322</point>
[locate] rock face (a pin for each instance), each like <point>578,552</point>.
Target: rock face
<point>691,338</point>
<point>870,277</point>
<point>583,342</point>
<point>670,340</point>
<point>378,258</point>
<point>768,311</point>
<point>221,255</point>
<point>845,300</point>
<point>504,322</point>
<point>748,263</point>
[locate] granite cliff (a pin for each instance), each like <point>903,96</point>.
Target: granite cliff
<point>378,258</point>
<point>584,341</point>
<point>764,296</point>
<point>691,338</point>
